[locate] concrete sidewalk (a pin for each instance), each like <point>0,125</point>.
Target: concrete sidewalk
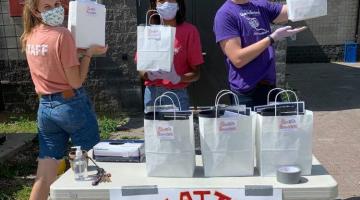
<point>332,91</point>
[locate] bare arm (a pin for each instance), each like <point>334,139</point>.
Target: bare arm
<point>77,75</point>
<point>143,75</point>
<point>186,78</point>
<point>241,56</point>
<point>191,76</point>
<point>283,16</point>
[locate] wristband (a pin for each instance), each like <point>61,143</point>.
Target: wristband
<point>271,39</point>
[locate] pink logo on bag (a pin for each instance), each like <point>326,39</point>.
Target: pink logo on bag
<point>91,10</point>
<point>227,126</point>
<point>154,34</point>
<point>288,124</point>
<point>165,132</point>
<point>162,130</point>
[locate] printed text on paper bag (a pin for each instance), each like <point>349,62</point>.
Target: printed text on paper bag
<point>227,126</point>
<point>288,124</point>
<point>165,131</point>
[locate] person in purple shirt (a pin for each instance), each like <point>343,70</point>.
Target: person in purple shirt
<point>242,29</point>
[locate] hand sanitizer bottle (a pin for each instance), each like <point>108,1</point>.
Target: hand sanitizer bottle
<point>80,165</point>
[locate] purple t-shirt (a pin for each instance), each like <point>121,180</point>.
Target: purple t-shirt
<point>251,22</point>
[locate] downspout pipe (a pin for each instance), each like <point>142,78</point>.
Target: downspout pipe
<point>357,37</point>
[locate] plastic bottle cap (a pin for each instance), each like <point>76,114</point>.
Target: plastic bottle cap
<point>78,151</point>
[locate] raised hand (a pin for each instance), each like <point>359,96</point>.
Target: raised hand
<point>171,76</point>
<point>284,32</point>
<point>154,75</point>
<point>96,50</point>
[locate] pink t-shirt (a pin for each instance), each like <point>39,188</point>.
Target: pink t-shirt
<point>49,51</point>
<point>188,54</point>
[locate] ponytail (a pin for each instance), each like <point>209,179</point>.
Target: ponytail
<point>29,20</point>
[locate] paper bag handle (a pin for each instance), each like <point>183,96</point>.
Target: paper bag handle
<point>219,93</point>
<point>147,15</point>
<point>223,94</point>
<point>148,21</point>
<point>274,89</point>
<point>159,98</point>
<point>286,91</point>
<point>173,93</point>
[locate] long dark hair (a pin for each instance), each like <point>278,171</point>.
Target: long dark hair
<point>180,15</point>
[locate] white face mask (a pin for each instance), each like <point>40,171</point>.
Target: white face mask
<point>167,10</point>
<point>53,17</point>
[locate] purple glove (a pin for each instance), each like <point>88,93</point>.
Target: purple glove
<point>171,76</point>
<point>284,32</point>
<point>153,75</point>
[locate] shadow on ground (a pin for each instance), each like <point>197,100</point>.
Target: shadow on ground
<point>134,122</point>
<point>326,86</point>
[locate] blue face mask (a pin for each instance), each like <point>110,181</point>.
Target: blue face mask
<point>167,10</point>
<point>53,17</point>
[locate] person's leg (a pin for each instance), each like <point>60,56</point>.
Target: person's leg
<point>244,99</point>
<point>181,94</point>
<point>52,143</point>
<point>261,93</point>
<point>150,95</point>
<point>184,99</point>
<point>45,176</point>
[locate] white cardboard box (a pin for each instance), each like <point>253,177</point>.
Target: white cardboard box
<point>299,10</point>
<point>87,23</point>
<point>120,151</point>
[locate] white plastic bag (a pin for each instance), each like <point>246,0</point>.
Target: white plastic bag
<point>283,141</point>
<point>87,23</point>
<point>169,143</point>
<point>306,9</point>
<point>155,47</point>
<point>227,141</point>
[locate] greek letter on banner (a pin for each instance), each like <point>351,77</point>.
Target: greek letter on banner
<point>199,194</point>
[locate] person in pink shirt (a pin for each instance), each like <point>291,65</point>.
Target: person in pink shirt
<point>65,110</point>
<point>187,56</point>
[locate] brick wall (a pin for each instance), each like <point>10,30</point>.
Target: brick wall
<point>113,82</point>
<point>281,51</point>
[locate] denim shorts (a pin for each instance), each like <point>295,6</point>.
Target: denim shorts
<point>152,92</point>
<point>59,119</point>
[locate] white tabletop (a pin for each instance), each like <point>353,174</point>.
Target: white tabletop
<point>320,185</point>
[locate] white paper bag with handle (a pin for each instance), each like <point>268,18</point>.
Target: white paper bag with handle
<point>283,140</point>
<point>169,143</point>
<point>155,47</point>
<point>87,23</point>
<point>306,9</point>
<point>227,140</point>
